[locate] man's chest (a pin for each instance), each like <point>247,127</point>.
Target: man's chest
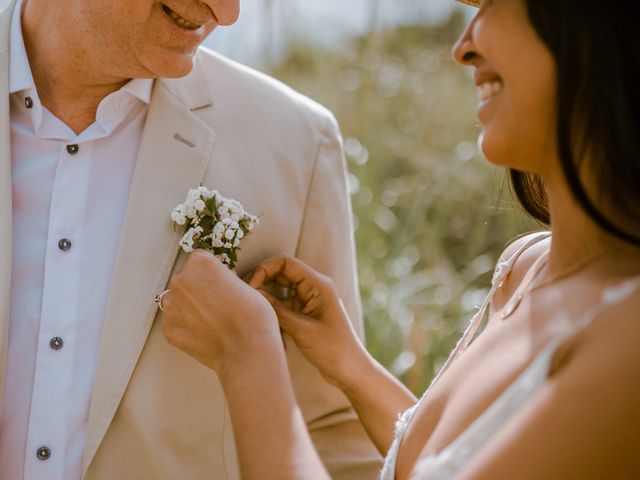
<point>69,197</point>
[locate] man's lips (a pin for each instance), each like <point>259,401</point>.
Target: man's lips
<point>191,24</point>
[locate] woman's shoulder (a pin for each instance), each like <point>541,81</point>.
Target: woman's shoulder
<point>616,327</point>
<point>606,348</point>
<point>539,242</point>
<point>604,355</point>
<point>517,258</point>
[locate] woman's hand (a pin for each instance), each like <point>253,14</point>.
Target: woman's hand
<point>314,317</point>
<point>215,317</point>
<point>222,322</point>
<point>318,323</point>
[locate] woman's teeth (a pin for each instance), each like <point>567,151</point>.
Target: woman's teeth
<point>488,90</point>
<point>179,20</point>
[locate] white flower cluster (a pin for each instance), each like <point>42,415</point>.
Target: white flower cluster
<point>216,223</point>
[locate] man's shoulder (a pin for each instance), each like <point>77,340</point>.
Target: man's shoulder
<point>234,81</point>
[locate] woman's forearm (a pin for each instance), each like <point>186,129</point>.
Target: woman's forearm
<point>378,398</point>
<point>319,324</point>
<point>270,433</point>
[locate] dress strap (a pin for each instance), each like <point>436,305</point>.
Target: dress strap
<point>610,297</point>
<point>503,269</point>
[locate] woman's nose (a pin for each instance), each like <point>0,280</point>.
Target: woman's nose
<point>464,50</point>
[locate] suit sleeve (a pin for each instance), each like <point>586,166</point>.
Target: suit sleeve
<point>326,243</point>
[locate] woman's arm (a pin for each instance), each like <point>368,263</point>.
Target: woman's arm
<point>378,398</point>
<point>226,325</point>
<point>319,325</point>
<point>271,436</point>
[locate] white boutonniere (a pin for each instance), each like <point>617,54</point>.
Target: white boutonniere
<point>214,223</point>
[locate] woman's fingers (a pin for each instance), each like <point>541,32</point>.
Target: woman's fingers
<point>289,320</point>
<point>288,272</point>
<point>287,268</point>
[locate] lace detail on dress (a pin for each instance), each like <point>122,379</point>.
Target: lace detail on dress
<point>388,469</point>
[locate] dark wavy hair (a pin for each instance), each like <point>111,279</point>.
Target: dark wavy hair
<point>597,59</point>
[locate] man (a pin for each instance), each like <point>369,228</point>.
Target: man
<point>91,164</point>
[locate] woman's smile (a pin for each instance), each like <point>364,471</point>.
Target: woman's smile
<point>487,91</point>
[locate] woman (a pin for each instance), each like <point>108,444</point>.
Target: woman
<point>549,388</point>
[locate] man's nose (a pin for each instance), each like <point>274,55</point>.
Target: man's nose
<point>225,11</point>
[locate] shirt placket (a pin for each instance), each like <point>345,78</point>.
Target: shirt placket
<point>56,350</point>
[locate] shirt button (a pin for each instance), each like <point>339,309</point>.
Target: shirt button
<point>56,343</point>
<point>28,102</point>
<point>43,453</point>
<point>73,148</point>
<point>64,244</point>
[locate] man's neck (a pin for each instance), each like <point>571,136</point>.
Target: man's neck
<point>68,79</point>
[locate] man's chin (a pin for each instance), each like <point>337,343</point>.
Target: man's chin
<point>174,66</point>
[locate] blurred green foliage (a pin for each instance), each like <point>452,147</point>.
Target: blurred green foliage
<point>431,215</point>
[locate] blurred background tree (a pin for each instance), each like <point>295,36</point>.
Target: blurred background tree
<point>431,216</point>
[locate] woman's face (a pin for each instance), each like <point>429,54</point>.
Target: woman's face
<point>515,76</point>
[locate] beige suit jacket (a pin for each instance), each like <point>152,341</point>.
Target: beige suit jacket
<point>156,413</point>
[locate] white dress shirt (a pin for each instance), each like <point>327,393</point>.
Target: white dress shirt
<point>70,195</point>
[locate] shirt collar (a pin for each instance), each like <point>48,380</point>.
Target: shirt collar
<point>140,88</point>
<point>20,77</point>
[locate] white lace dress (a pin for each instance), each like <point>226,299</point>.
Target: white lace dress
<point>453,458</point>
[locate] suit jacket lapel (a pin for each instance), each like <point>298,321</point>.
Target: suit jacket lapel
<point>173,157</point>
<point>5,192</point>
